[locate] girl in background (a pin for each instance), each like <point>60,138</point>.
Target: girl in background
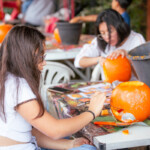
<point>114,38</point>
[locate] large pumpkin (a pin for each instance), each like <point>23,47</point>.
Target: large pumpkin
<point>56,35</point>
<point>117,69</point>
<point>4,28</point>
<point>130,101</point>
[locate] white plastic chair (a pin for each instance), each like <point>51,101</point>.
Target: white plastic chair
<point>53,74</point>
<point>96,73</point>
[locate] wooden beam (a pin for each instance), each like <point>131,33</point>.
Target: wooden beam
<point>148,21</point>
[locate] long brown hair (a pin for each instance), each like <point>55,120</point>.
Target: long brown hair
<point>20,54</point>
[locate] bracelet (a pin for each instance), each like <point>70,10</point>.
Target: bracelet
<point>91,113</point>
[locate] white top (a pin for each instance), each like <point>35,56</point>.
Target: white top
<point>16,127</point>
<point>92,50</point>
<point>37,10</point>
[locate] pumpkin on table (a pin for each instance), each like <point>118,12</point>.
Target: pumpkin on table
<point>4,28</point>
<point>130,101</point>
<point>117,69</point>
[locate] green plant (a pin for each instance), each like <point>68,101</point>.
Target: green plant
<point>136,11</point>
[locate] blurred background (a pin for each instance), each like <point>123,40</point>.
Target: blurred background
<point>137,12</point>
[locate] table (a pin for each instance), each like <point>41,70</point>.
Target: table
<point>139,136</point>
<point>58,52</point>
<point>63,107</point>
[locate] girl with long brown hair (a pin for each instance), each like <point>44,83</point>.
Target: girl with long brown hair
<point>22,115</point>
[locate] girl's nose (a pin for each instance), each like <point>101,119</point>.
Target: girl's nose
<point>44,63</point>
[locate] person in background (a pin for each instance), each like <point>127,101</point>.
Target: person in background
<point>118,5</point>
<point>36,11</point>
<point>114,38</point>
<point>25,5</point>
<point>24,123</point>
<point>40,10</point>
<point>121,7</point>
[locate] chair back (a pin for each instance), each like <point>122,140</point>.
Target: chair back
<point>53,74</point>
<point>96,73</point>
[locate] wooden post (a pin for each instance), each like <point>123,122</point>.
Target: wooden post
<point>148,21</point>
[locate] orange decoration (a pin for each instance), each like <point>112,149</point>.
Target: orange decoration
<point>130,101</point>
<point>104,112</point>
<point>56,35</point>
<point>126,132</point>
<point>117,69</point>
<point>4,28</point>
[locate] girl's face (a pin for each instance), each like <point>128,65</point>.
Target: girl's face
<point>42,64</point>
<point>104,33</point>
<point>114,4</point>
<point>42,61</point>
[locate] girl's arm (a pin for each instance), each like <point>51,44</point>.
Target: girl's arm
<point>46,142</point>
<point>89,18</point>
<point>54,128</point>
<point>90,61</point>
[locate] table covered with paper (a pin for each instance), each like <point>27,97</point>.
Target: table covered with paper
<point>104,136</point>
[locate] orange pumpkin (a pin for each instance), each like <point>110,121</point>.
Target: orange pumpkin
<point>130,101</point>
<point>4,28</point>
<point>56,35</point>
<point>117,69</point>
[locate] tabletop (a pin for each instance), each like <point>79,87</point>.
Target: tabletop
<point>69,107</point>
<point>72,104</point>
<point>57,52</point>
<point>52,44</point>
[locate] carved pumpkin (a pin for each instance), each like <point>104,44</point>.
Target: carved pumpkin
<point>56,35</point>
<point>130,101</point>
<point>4,28</point>
<point>117,69</point>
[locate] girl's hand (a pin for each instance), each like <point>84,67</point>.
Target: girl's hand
<point>79,141</point>
<point>117,53</point>
<point>97,102</point>
<point>101,60</point>
<point>75,19</point>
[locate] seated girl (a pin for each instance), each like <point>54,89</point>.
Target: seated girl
<point>114,38</point>
<point>24,123</point>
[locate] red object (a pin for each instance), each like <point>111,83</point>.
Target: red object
<point>9,4</point>
<point>14,14</point>
<point>50,26</point>
<point>1,10</point>
<point>66,5</point>
<point>100,123</point>
<point>72,9</point>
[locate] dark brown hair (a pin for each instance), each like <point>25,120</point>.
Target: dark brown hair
<point>125,3</point>
<point>112,18</point>
<point>20,54</point>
